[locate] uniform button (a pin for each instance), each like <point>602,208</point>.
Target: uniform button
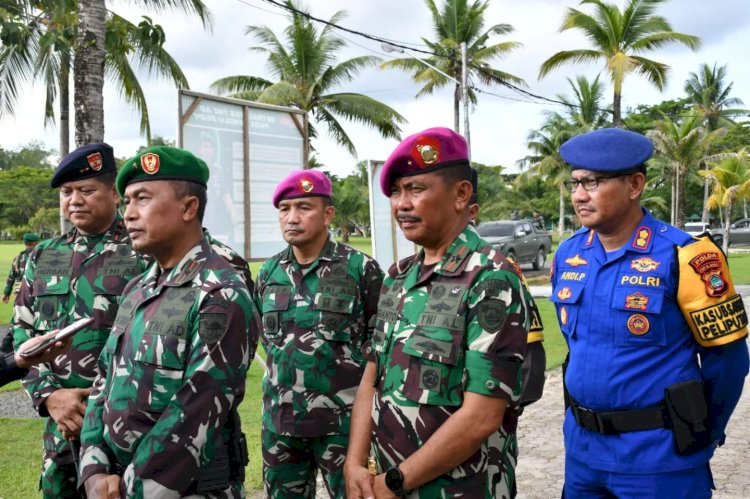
<point>36,394</point>
<point>490,384</point>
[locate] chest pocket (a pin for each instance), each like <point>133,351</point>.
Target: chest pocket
<point>567,298</point>
<point>276,298</point>
<point>161,353</point>
<point>51,286</point>
<point>336,301</point>
<point>637,320</point>
<point>114,273</point>
<point>386,316</point>
<point>435,350</point>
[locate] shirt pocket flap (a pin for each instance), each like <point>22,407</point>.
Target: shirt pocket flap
<point>162,351</point>
<point>340,303</point>
<point>647,301</point>
<point>566,293</point>
<point>276,298</point>
<point>439,345</point>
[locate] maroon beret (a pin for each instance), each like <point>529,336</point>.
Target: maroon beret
<point>424,152</point>
<point>302,184</point>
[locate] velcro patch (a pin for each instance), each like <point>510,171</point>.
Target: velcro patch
<point>491,314</point>
<point>720,320</point>
<point>212,327</point>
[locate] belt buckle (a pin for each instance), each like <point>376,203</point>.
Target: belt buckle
<point>587,419</point>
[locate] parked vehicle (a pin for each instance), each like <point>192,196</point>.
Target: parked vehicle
<point>520,239</point>
<point>739,233</point>
<point>696,228</point>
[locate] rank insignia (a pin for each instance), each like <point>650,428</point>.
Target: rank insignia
<point>638,324</point>
<point>642,238</point>
<point>636,301</point>
<point>644,264</point>
<point>708,265</point>
<point>564,293</point>
<point>426,151</point>
<point>590,238</point>
<point>563,316</point>
<point>95,161</point>
<point>150,163</point>
<point>576,261</point>
<point>305,185</point>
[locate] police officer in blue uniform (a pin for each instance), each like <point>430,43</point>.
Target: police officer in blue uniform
<point>655,329</point>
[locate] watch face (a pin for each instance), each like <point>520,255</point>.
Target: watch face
<point>394,480</point>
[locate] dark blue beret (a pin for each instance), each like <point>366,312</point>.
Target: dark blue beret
<point>607,150</point>
<point>87,161</point>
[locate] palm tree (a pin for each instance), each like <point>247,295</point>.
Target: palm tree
<point>545,160</point>
<point>710,95</point>
<point>618,37</point>
<point>731,178</point>
<point>88,72</point>
<point>306,71</point>
<point>45,51</point>
<point>455,23</point>
<point>585,110</point>
<point>684,144</point>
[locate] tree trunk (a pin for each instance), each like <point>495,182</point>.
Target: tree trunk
<point>706,193</point>
<point>64,102</point>
<point>456,108</point>
<point>725,245</point>
<point>616,116</point>
<point>681,198</point>
<point>561,225</point>
<point>306,143</point>
<point>672,209</point>
<point>88,72</point>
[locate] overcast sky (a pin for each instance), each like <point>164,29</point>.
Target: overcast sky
<point>499,125</point>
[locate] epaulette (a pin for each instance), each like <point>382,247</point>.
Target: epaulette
<point>672,234</point>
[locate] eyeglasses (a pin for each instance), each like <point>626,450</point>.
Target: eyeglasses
<point>589,183</point>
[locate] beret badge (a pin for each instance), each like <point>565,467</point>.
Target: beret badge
<point>306,185</point>
<point>426,151</point>
<point>95,161</point>
<point>150,163</point>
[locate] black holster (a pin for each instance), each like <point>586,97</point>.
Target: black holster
<point>228,463</point>
<point>688,413</point>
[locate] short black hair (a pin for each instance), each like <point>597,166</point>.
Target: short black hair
<point>454,174</point>
<point>107,178</point>
<point>184,188</point>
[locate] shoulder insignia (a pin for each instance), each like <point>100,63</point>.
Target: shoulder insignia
<point>491,314</point>
<point>576,261</point>
<point>563,315</point>
<point>709,267</point>
<point>642,237</point>
<point>636,301</point>
<point>456,259</point>
<point>638,324</point>
<point>590,238</point>
<point>211,327</point>
<point>644,264</point>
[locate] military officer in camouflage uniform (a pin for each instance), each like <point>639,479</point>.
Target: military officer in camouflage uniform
<point>162,421</point>
<point>318,299</point>
<point>448,346</point>
<point>13,284</point>
<point>79,274</point>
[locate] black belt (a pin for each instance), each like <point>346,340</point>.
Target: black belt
<point>611,422</point>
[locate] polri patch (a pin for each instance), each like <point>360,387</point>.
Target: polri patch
<point>638,324</point>
<point>709,266</point>
<point>211,327</point>
<point>491,314</point>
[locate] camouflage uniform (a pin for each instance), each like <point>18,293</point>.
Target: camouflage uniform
<point>317,326</point>
<point>175,367</point>
<point>13,284</point>
<point>233,258</point>
<point>67,278</point>
<point>460,326</point>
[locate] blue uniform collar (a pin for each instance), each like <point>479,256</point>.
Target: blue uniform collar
<point>640,242</point>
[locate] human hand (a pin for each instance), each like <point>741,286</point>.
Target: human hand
<point>67,406</point>
<point>358,482</point>
<point>102,486</point>
<point>6,298</point>
<point>47,355</point>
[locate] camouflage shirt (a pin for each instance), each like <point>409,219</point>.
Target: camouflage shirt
<point>13,284</point>
<point>317,326</point>
<point>458,326</point>
<point>233,258</point>
<point>175,367</point>
<point>67,278</point>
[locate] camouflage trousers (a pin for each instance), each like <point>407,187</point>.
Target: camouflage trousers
<point>58,480</point>
<point>290,464</point>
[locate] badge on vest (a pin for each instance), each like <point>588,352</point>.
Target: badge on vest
<point>576,261</point>
<point>636,301</point>
<point>708,265</point>
<point>644,264</point>
<point>638,324</point>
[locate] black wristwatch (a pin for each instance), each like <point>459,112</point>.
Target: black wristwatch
<point>394,480</point>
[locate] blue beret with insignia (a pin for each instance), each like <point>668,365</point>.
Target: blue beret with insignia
<point>607,150</point>
<point>85,162</point>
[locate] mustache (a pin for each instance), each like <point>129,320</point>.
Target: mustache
<point>402,217</point>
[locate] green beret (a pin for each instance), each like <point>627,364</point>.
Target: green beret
<point>162,163</point>
<point>30,237</point>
